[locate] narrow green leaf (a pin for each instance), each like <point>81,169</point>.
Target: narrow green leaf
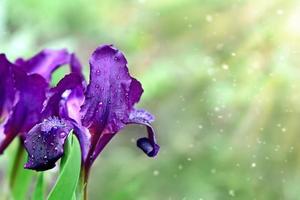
<point>20,178</point>
<point>66,183</point>
<point>74,197</point>
<point>38,193</point>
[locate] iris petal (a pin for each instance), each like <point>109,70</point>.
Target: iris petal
<point>45,62</point>
<point>55,105</point>
<point>26,113</point>
<point>7,90</point>
<point>45,143</point>
<point>148,145</point>
<point>110,97</point>
<point>62,99</point>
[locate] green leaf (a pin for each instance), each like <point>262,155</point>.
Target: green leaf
<point>20,178</point>
<point>67,181</point>
<point>38,193</point>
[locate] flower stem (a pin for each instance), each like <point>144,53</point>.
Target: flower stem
<point>82,185</point>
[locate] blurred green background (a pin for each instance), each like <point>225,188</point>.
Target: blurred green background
<point>221,77</point>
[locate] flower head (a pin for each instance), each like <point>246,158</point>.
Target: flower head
<point>95,113</point>
<point>24,87</point>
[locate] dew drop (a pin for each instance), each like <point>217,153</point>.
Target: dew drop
<point>91,157</point>
<point>45,157</point>
<point>98,72</point>
<point>62,134</point>
<point>116,58</point>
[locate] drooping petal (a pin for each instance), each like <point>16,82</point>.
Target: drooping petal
<point>31,93</point>
<point>147,144</point>
<point>7,91</point>
<point>45,143</point>
<point>110,97</point>
<point>45,62</point>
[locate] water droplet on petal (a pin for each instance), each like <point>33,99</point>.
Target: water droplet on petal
<point>62,134</point>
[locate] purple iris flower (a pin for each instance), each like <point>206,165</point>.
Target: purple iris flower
<point>95,113</point>
<point>23,90</point>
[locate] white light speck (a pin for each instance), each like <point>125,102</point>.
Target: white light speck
<point>231,193</point>
<point>253,165</point>
<point>209,18</point>
<point>225,67</point>
<point>279,12</point>
<point>155,172</point>
<point>278,125</point>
